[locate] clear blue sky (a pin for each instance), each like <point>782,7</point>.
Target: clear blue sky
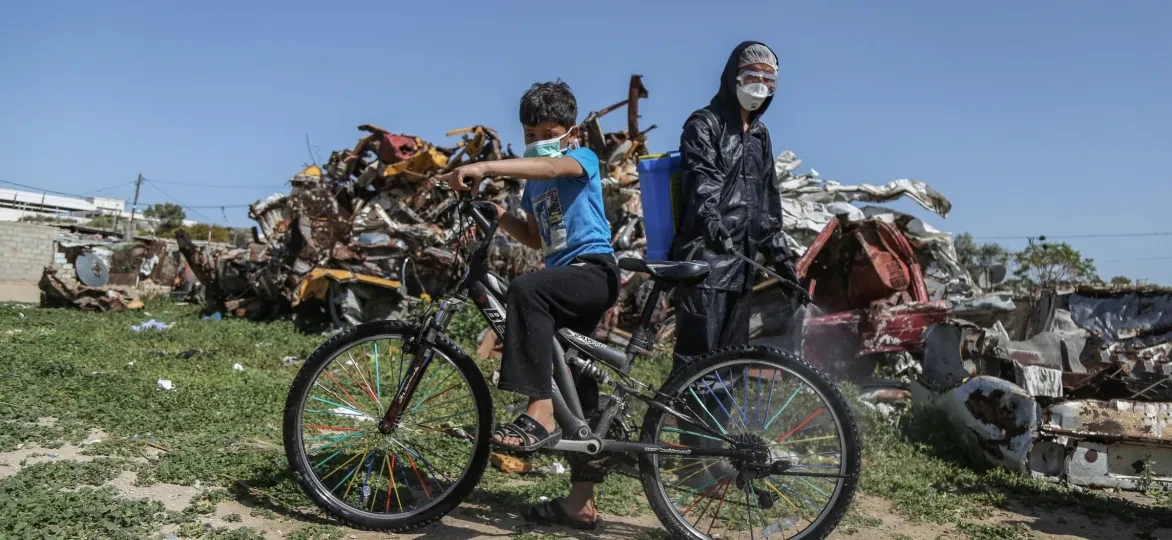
<point>1041,117</point>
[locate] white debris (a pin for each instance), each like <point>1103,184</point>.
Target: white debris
<point>344,411</point>
<point>151,324</point>
<point>557,468</point>
<point>166,384</point>
<point>292,360</point>
<point>237,367</point>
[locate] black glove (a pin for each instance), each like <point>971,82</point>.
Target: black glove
<point>722,238</point>
<point>786,270</point>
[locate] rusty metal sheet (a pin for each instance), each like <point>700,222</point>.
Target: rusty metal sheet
<point>1110,420</point>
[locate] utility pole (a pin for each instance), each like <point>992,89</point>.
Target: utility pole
<point>133,209</point>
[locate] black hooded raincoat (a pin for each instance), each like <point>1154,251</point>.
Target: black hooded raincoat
<point>727,178</point>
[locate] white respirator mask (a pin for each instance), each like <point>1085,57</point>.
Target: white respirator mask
<point>753,87</point>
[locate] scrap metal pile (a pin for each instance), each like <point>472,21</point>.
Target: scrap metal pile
<point>96,270</point>
<point>1072,384</point>
<point>368,234</point>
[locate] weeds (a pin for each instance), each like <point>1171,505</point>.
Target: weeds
<point>220,430</point>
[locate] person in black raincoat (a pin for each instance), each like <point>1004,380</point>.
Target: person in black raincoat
<point>730,202</point>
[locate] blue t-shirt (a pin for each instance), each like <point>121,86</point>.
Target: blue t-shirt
<point>570,217</point>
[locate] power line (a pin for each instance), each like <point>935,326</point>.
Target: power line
<point>176,200</point>
<point>1076,236</point>
<point>130,183</point>
<point>43,190</point>
<point>217,186</point>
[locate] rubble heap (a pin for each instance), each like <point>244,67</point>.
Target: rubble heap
<point>1071,382</point>
<point>367,234</point>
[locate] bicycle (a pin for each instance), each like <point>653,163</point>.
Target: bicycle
<point>704,431</point>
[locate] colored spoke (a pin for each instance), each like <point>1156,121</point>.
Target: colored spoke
<point>718,507</point>
<point>812,486</point>
<point>366,479</point>
<point>353,401</point>
<point>705,494</point>
<point>782,496</point>
<point>428,397</point>
<point>327,437</point>
<point>757,411</point>
<point>731,398</point>
<point>342,466</point>
<point>339,451</point>
<point>352,476</point>
<point>419,476</point>
<point>804,422</point>
<point>367,392</point>
<point>689,477</point>
<point>337,397</point>
<point>450,416</point>
<point>799,441</point>
<point>718,426</point>
<point>374,497</point>
<point>796,494</point>
<point>745,380</point>
<point>332,428</point>
<point>324,446</point>
<point>769,402</point>
<point>378,386</point>
<point>395,488</point>
<point>438,405</point>
<point>708,503</point>
<point>678,430</point>
<point>784,407</point>
<point>446,390</point>
<point>424,384</point>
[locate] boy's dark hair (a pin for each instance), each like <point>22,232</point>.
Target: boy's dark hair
<point>549,101</point>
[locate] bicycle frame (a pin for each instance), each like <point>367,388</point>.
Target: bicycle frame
<point>487,292</point>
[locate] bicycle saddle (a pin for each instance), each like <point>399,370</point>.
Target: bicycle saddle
<point>669,272</point>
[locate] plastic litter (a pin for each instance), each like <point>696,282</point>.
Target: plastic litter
<point>217,316</point>
<point>237,367</point>
<point>557,468</point>
<point>151,324</point>
<point>292,360</point>
<point>166,384</point>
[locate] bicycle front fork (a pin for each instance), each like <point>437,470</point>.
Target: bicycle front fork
<point>422,349</point>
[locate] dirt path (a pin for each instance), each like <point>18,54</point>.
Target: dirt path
<point>469,522</point>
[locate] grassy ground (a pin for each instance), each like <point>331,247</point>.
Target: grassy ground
<point>68,379</point>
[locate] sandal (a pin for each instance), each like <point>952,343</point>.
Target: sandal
<point>528,430</point>
<point>552,513</point>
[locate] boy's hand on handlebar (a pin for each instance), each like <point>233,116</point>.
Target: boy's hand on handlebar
<point>466,178</point>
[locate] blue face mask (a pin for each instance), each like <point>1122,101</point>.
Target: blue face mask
<point>546,148</point>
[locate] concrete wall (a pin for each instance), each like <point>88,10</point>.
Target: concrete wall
<point>25,250</point>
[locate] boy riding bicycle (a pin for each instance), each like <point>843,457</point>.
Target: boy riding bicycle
<point>580,281</point>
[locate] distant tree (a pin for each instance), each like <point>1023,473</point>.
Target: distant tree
<point>974,258</point>
<point>102,221</point>
<point>1045,264</point>
<point>204,231</point>
<point>170,217</point>
<point>1121,281</point>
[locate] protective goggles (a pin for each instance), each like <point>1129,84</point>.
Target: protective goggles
<point>758,77</point>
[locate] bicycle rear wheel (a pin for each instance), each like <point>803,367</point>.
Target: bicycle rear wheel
<point>397,481</point>
<point>768,401</point>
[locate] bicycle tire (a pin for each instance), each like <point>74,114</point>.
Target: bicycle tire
<point>299,462</point>
<point>812,376</point>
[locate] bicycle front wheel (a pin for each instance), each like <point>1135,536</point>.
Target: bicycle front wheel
<point>398,481</point>
<point>791,418</point>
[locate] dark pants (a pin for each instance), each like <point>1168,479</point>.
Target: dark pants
<point>708,319</point>
<point>574,297</point>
